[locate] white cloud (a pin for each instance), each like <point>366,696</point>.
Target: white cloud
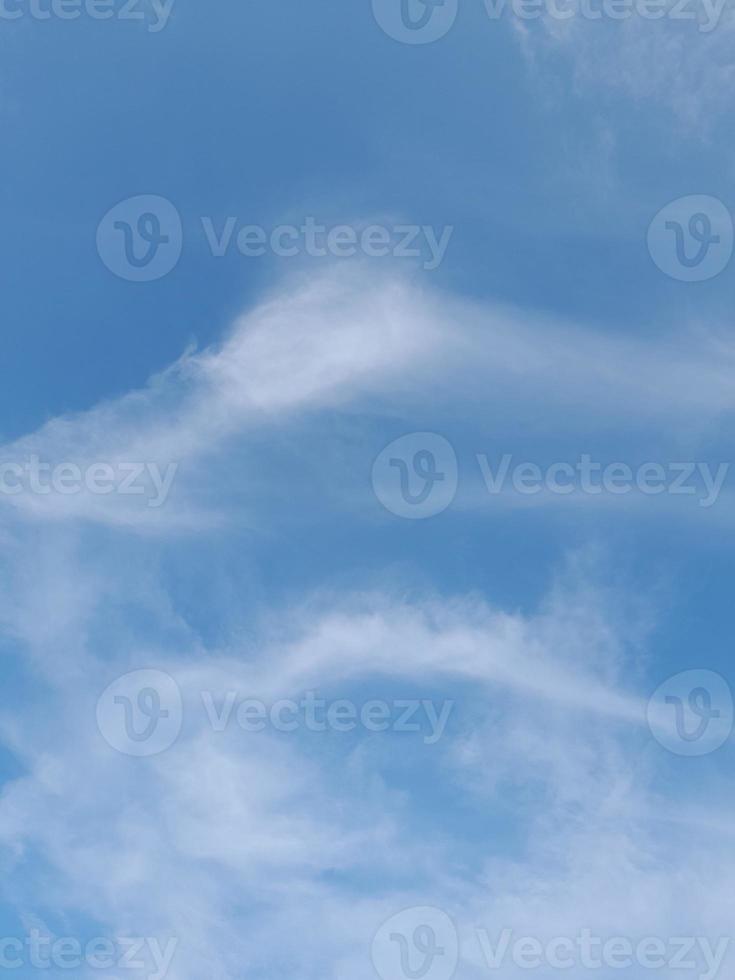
<point>265,854</point>
<point>363,349</point>
<point>543,808</point>
<point>668,63</point>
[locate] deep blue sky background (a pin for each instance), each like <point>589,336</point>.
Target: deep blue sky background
<point>549,159</point>
<point>273,111</point>
<point>259,110</point>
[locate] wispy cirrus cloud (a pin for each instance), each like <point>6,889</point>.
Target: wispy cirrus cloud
<point>275,851</point>
<point>364,350</point>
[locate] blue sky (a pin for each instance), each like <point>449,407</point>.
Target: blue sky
<point>262,410</point>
